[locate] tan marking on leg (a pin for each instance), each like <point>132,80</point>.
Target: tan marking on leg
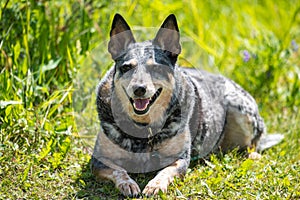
<point>238,131</point>
<point>123,182</point>
<point>162,180</point>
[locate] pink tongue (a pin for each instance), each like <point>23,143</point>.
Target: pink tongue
<point>140,104</point>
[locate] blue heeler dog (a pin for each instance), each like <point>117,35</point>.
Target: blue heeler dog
<point>156,115</point>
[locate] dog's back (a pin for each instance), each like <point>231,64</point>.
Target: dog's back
<point>229,115</point>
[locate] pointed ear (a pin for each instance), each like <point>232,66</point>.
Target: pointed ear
<point>167,37</point>
<point>120,36</point>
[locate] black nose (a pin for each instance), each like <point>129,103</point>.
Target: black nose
<point>139,90</point>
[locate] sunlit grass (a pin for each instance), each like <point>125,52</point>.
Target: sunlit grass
<point>50,49</point>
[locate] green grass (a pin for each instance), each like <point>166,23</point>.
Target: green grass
<point>53,53</point>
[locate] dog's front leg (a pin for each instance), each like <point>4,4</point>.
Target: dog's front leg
<point>126,185</point>
<point>165,177</point>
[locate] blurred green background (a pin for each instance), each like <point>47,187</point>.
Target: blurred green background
<point>53,54</point>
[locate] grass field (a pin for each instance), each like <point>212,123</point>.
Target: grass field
<point>53,53</point>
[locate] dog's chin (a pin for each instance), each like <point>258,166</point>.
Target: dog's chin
<point>141,106</point>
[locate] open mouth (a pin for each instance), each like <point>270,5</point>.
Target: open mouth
<point>141,106</point>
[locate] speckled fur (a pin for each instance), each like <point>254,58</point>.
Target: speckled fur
<point>196,114</point>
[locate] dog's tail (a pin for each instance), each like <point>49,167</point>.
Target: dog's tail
<point>268,140</point>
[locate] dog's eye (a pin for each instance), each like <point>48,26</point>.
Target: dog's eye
<point>125,68</point>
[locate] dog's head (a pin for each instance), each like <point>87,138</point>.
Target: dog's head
<point>144,71</point>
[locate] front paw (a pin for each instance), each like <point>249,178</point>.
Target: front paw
<point>155,185</point>
<point>128,188</point>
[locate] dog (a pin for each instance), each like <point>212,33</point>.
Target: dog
<point>157,116</point>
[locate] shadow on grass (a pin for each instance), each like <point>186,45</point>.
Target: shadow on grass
<point>92,188</point>
<point>89,187</point>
